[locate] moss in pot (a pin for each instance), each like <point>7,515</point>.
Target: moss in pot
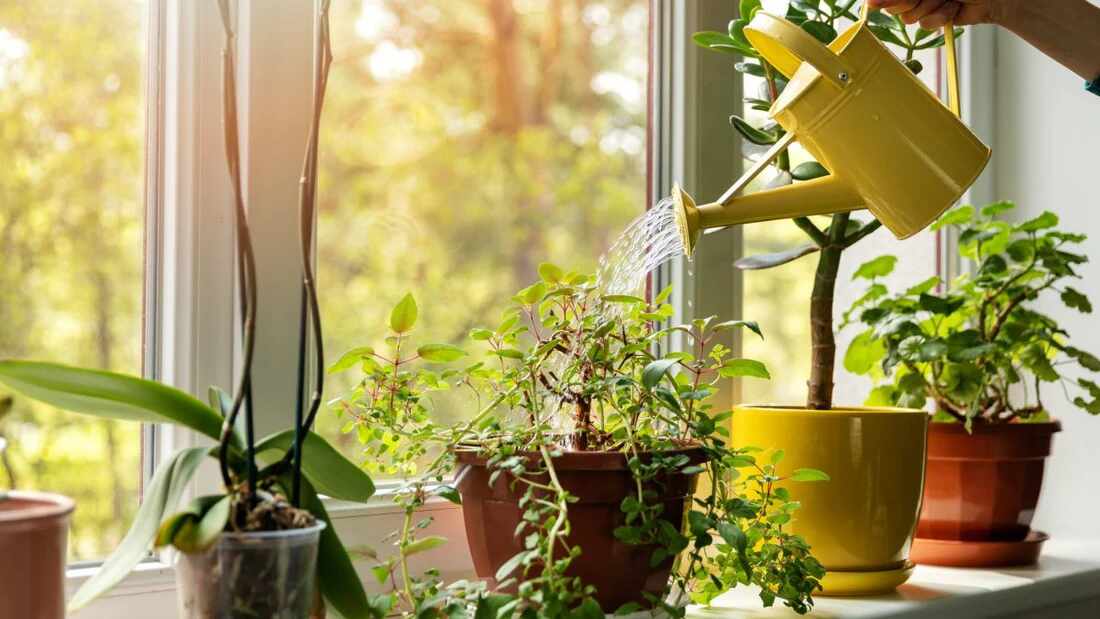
<point>576,472</point>
<point>979,353</point>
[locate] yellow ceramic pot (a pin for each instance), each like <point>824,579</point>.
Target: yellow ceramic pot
<point>860,524</point>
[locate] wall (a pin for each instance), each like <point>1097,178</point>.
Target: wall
<point>1046,158</point>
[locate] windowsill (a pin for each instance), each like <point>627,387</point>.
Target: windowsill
<point>1065,584</point>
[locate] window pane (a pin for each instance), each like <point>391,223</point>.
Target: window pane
<point>465,142</point>
<point>779,298</point>
<point>71,208</point>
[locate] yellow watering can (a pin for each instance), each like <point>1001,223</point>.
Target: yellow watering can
<point>889,143</point>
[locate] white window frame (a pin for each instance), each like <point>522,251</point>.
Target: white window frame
<point>190,289</point>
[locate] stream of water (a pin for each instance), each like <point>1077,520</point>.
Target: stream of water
<point>647,243</point>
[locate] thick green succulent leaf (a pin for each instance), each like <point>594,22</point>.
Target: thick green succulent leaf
<point>327,469</point>
<point>339,582</point>
<point>768,261</point>
<point>107,394</point>
<point>161,496</point>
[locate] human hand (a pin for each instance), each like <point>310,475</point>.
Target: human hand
<point>935,14</point>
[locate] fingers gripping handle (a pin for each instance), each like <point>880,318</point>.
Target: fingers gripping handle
<point>786,46</point>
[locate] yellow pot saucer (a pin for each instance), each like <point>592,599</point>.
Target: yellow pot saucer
<point>847,584</point>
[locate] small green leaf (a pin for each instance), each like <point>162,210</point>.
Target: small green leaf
<point>752,134</point>
<point>820,30</point>
<point>655,371</point>
<point>1077,300</point>
<point>955,217</point>
<point>777,456</point>
<point>403,316</point>
<point>623,298</point>
<point>864,352</point>
<point>734,324</point>
<point>350,359</point>
<point>808,171</point>
<point>424,544</point>
<point>480,334</point>
<point>996,208</point>
<point>744,367</point>
<point>550,273</point>
<point>877,267</point>
<point>450,493</point>
<point>1046,220</point>
<point>768,261</point>
<point>809,475</point>
<point>440,353</point>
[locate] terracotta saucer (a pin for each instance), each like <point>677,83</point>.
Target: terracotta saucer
<point>962,553</point>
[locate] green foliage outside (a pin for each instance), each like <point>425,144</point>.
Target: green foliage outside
<point>463,142</point>
<point>977,348</point>
<point>71,211</point>
<point>570,369</point>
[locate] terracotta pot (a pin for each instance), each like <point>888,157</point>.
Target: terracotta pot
<point>34,531</point>
<point>620,572</point>
<point>860,523</point>
<point>984,486</point>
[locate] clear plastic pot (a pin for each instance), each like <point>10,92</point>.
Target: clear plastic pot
<point>269,574</point>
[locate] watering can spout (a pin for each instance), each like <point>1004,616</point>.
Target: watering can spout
<point>822,196</point>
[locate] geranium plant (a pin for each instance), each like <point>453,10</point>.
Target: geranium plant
<point>820,18</point>
<point>571,370</point>
<point>977,347</point>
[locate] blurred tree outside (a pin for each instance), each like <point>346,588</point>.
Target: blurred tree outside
<point>71,218</point>
<point>464,143</point>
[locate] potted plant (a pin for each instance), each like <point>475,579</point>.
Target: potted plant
<point>576,473</point>
<point>978,352</point>
<point>34,529</point>
<point>258,547</point>
<point>861,524</point>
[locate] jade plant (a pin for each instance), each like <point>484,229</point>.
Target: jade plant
<point>270,483</point>
<point>570,369</point>
<point>820,18</point>
<point>978,348</point>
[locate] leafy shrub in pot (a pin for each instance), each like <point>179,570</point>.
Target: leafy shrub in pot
<point>979,352</point>
<point>582,454</point>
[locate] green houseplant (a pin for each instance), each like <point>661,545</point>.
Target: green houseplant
<point>584,441</point>
<point>880,562</point>
<point>979,353</point>
<point>258,547</point>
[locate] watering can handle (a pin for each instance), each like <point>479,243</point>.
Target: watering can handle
<point>954,99</point>
<point>786,46</point>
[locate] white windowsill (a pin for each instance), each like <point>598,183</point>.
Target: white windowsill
<point>1065,584</point>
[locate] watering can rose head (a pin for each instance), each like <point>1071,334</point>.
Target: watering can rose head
<point>884,141</point>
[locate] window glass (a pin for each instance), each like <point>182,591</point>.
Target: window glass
<point>71,217</point>
<point>777,298</point>
<point>465,142</point>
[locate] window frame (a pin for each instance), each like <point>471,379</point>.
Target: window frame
<point>190,295</point>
